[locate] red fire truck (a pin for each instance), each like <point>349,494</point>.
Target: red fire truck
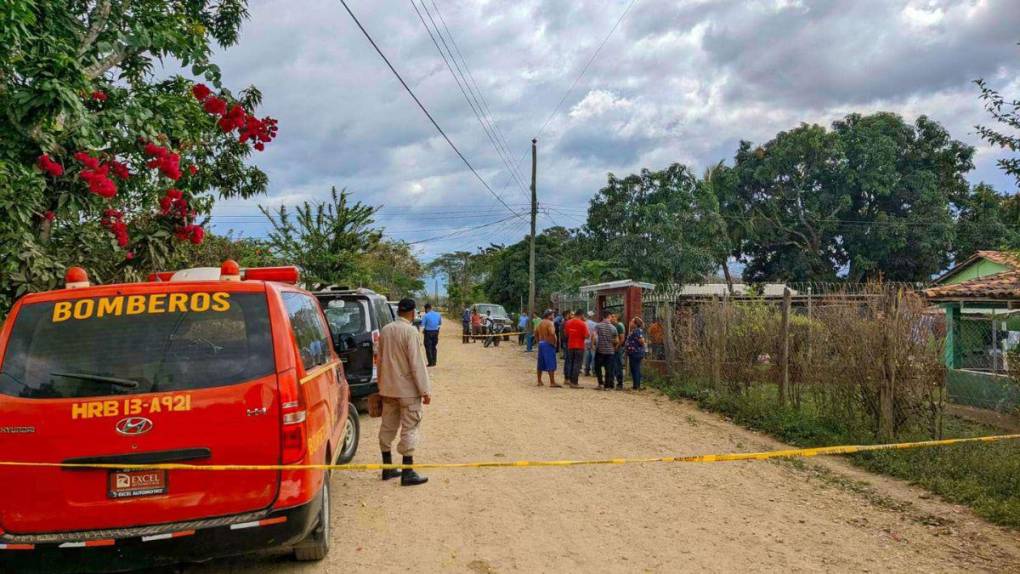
<point>205,366</point>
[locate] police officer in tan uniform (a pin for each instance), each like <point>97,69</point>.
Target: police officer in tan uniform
<point>405,387</point>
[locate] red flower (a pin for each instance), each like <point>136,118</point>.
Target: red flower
<point>113,221</point>
<point>234,119</point>
<point>197,234</point>
<point>51,167</point>
<point>49,215</point>
<point>119,169</point>
<point>99,96</point>
<point>192,169</point>
<point>99,181</point>
<point>129,255</point>
<point>86,160</point>
<point>262,131</point>
<point>200,91</point>
<point>153,150</point>
<point>168,163</point>
<point>170,166</point>
<point>215,106</point>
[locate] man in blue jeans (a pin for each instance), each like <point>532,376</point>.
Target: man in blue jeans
<point>430,323</point>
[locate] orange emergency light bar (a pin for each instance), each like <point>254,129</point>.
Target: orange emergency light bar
<point>231,271</point>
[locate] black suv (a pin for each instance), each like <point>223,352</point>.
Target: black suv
<point>355,317</point>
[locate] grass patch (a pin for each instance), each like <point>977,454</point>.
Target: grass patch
<point>984,477</point>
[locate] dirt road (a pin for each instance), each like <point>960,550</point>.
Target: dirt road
<point>821,515</point>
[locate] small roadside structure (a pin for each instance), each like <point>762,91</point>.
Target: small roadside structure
<point>630,290</point>
<point>982,326</point>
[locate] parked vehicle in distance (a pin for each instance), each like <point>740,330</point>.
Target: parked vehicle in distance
<point>500,318</point>
<point>203,366</point>
<point>355,317</point>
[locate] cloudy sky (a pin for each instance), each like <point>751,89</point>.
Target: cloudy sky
<point>679,80</point>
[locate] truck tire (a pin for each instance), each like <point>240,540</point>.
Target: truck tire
<point>352,434</point>
<point>316,546</point>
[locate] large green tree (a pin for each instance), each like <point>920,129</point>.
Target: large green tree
<point>873,197</point>
<point>903,182</point>
<point>661,226</point>
<point>103,163</point>
<point>327,240</point>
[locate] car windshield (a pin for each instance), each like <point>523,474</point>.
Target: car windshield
<point>132,344</point>
<point>496,310</point>
<point>347,316</point>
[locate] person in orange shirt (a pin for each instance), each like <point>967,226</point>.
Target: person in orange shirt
<point>576,332</point>
<point>655,334</point>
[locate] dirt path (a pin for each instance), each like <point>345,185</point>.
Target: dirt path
<point>742,516</point>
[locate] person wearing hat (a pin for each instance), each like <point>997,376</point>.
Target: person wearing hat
<point>405,387</point>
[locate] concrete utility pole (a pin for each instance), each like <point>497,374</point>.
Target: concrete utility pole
<point>534,215</point>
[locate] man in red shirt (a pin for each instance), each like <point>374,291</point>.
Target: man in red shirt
<point>576,331</point>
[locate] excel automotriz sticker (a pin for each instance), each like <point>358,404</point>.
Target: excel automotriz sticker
<point>153,304</point>
<point>129,483</point>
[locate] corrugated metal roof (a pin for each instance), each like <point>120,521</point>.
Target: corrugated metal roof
<point>611,285</point>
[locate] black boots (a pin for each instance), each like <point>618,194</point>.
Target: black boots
<point>410,477</point>
<point>389,473</point>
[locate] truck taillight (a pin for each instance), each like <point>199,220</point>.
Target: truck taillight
<point>294,436</point>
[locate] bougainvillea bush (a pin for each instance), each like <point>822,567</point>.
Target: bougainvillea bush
<point>110,158</point>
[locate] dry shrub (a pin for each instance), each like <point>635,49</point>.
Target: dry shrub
<point>857,356</point>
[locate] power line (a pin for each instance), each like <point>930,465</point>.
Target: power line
<point>585,68</point>
<point>484,103</point>
<point>475,106</point>
<point>424,109</point>
<point>461,231</point>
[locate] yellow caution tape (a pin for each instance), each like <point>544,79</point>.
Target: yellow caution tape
<point>789,453</point>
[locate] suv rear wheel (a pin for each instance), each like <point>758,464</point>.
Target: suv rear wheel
<point>316,546</point>
<point>352,434</point>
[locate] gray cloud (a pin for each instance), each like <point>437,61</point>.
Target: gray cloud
<point>678,81</point>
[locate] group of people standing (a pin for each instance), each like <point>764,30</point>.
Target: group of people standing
<point>589,345</point>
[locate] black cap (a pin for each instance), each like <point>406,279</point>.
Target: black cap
<point>405,305</point>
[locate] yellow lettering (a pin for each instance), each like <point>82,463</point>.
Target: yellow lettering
<point>135,304</point>
<point>220,301</point>
<point>156,303</point>
<point>178,303</point>
<point>83,308</point>
<point>133,407</point>
<point>200,302</point>
<point>167,402</point>
<point>154,406</point>
<point>61,311</point>
<point>110,408</point>
<point>79,411</point>
<point>110,306</point>
<point>94,410</point>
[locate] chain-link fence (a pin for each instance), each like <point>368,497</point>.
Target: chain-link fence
<point>984,340</point>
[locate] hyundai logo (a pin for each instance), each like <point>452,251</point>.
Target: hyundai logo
<point>133,426</point>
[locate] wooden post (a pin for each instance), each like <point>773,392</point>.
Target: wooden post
<point>887,386</point>
<point>667,335</point>
<point>717,344</point>
<point>784,380</point>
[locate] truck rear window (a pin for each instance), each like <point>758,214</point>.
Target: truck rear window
<point>134,344</point>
